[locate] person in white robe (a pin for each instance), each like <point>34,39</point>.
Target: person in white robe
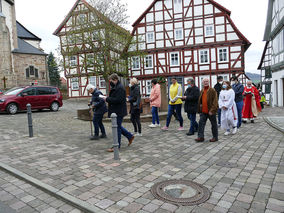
<point>229,114</point>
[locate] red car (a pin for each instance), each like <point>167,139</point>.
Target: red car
<point>40,97</point>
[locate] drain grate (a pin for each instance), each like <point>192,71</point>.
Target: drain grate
<point>180,192</point>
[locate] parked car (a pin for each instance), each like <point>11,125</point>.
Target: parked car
<point>1,92</point>
<point>40,97</point>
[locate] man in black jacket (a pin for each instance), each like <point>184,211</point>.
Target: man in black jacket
<point>117,104</point>
<point>191,97</point>
<point>218,88</point>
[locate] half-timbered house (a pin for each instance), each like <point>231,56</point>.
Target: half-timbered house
<point>272,61</point>
<point>187,38</point>
<point>82,34</point>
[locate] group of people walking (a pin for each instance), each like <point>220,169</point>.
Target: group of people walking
<point>231,101</point>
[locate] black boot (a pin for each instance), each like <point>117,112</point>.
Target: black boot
<point>103,136</point>
<point>96,137</point>
<point>190,133</point>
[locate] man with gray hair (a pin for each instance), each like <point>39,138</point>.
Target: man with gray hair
<point>190,97</point>
<point>99,108</point>
<point>207,107</point>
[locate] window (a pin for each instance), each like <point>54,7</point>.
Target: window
<point>178,34</point>
<point>178,6</point>
<point>82,18</point>
<point>174,59</point>
<point>31,72</point>
<point>74,84</point>
<point>102,82</point>
<point>150,37</point>
<point>203,56</point>
<point>135,63</point>
<point>148,87</point>
<point>93,80</point>
<point>30,91</point>
<point>73,60</point>
<point>43,91</point>
<point>209,30</point>
<point>54,91</point>
<point>223,55</point>
<point>149,61</point>
<point>90,59</point>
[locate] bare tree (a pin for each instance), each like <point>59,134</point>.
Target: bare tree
<point>112,9</point>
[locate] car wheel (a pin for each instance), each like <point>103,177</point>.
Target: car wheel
<point>12,108</point>
<point>54,106</point>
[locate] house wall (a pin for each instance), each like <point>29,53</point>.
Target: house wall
<point>278,88</point>
<point>192,20</point>
<point>22,62</point>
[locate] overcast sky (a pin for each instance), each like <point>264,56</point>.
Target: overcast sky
<point>42,17</point>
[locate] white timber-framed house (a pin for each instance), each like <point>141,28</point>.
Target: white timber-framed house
<point>272,61</point>
<point>80,35</point>
<point>187,38</point>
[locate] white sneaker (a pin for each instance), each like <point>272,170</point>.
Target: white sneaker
<point>152,125</point>
<point>139,134</point>
<point>226,133</point>
<point>157,125</point>
<point>135,133</point>
<point>235,130</point>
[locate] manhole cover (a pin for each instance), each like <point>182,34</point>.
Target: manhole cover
<point>180,192</point>
<point>227,164</point>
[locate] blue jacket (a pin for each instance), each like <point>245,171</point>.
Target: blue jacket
<point>239,89</point>
<point>98,103</point>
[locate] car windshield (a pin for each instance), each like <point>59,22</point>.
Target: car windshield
<point>14,91</point>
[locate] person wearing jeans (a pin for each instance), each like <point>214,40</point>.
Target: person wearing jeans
<point>207,107</point>
<point>117,104</point>
<point>155,103</point>
<point>191,96</point>
<point>99,109</point>
<point>175,103</point>
<point>238,89</point>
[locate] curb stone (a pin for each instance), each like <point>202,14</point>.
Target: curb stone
<point>82,205</point>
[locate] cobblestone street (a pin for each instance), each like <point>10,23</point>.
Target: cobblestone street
<point>62,156</point>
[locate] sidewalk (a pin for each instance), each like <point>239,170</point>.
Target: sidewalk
<point>61,156</point>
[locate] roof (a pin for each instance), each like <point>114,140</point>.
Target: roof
<point>24,33</point>
<point>154,2</point>
<point>104,18</point>
<point>267,30</point>
<point>220,7</point>
<point>11,2</point>
<point>26,48</point>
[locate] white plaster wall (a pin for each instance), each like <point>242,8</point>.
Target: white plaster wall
<point>277,76</point>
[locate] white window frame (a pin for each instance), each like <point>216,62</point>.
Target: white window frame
<point>135,62</point>
<point>102,82</point>
<point>93,80</point>
<point>201,52</point>
<point>174,63</point>
<point>225,77</point>
<point>206,30</point>
<point>75,84</point>
<point>152,40</point>
<point>227,54</point>
<point>90,59</point>
<point>148,86</point>
<point>147,59</point>
<point>73,60</point>
<point>181,33</point>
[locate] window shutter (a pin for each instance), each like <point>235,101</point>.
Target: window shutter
<point>36,73</point>
<point>27,72</point>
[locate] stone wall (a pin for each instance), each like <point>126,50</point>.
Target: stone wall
<point>22,62</point>
<point>5,55</point>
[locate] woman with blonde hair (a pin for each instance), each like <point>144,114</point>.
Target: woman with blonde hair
<point>135,100</point>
